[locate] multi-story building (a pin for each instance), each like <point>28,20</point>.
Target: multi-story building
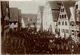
<point>4,22</point>
<point>15,15</point>
<point>77,15</point>
<point>39,18</point>
<point>73,27</point>
<point>47,18</point>
<point>55,6</point>
<point>30,20</point>
<point>64,18</point>
<point>5,18</point>
<point>50,16</point>
<point>77,8</point>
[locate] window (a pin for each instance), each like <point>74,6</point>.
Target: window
<point>72,30</point>
<point>62,10</point>
<point>76,6</point>
<point>59,23</point>
<point>66,31</point>
<point>62,16</point>
<point>72,23</point>
<point>62,23</point>
<point>65,23</point>
<point>30,19</point>
<point>59,30</point>
<point>62,4</point>
<point>72,33</point>
<point>77,31</point>
<point>34,23</point>
<point>62,30</point>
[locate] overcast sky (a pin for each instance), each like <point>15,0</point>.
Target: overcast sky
<point>28,6</point>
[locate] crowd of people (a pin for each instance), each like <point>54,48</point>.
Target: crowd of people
<point>28,41</point>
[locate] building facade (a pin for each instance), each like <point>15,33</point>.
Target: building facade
<point>48,24</point>
<point>64,19</point>
<point>5,17</point>
<point>55,7</point>
<point>74,28</point>
<point>15,21</point>
<point>77,14</point>
<point>75,25</point>
<point>30,20</point>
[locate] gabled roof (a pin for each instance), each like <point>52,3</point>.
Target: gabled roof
<point>14,14</point>
<point>67,5</point>
<point>30,16</point>
<point>55,6</point>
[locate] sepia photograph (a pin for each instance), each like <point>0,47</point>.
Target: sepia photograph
<point>40,27</point>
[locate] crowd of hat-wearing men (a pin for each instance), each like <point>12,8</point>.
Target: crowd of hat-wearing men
<point>27,41</point>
